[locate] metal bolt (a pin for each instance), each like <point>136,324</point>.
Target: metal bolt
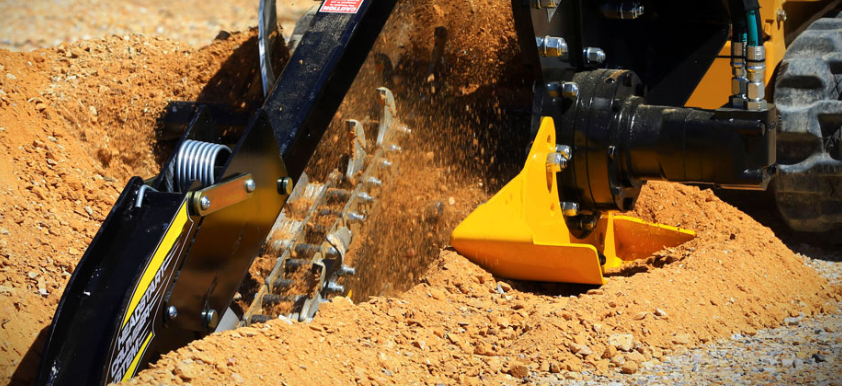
<point>569,208</point>
<point>250,185</point>
<point>554,89</point>
<point>569,90</point>
<point>172,312</point>
<point>593,55</point>
<point>210,318</point>
<point>556,161</point>
<point>205,202</point>
<point>285,185</point>
<point>781,14</point>
<point>334,288</point>
<point>564,150</point>
<point>551,46</point>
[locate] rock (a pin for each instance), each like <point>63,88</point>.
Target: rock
<point>629,368</point>
<point>682,339</point>
<point>789,362</point>
<point>660,313</point>
<point>519,370</point>
<point>640,315</point>
<point>506,287</point>
<point>597,328</point>
<point>622,342</point>
<point>635,356</point>
<point>581,349</point>
<point>237,378</point>
<point>437,294</point>
<point>573,375</point>
<point>609,352</point>
<point>819,358</point>
<point>555,368</point>
<point>186,370</point>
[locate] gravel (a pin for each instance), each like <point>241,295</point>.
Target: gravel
<point>29,25</point>
<point>804,351</point>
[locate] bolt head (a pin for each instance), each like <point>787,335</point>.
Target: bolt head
<point>205,202</point>
<point>569,208</point>
<point>570,90</point>
<point>172,312</point>
<point>553,89</point>
<point>250,185</point>
<point>594,55</point>
<point>755,91</point>
<point>210,318</point>
<point>556,162</point>
<point>757,105</point>
<point>285,185</point>
<point>564,150</point>
<point>551,46</point>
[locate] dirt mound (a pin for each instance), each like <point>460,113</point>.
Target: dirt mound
<point>463,326</point>
<point>78,120</point>
<point>75,123</point>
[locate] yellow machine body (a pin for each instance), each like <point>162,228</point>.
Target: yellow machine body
<point>521,233</point>
<point>715,88</point>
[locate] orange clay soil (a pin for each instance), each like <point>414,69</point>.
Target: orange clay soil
<point>455,327</point>
<point>78,121</point>
<point>75,123</point>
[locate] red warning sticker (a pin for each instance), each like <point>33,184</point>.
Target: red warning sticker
<point>341,6</point>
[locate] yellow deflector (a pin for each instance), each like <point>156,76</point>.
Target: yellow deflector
<point>520,233</point>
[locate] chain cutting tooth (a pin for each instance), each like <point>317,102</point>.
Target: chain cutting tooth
<point>334,288</point>
<point>282,284</point>
<point>355,217</point>
<point>365,197</point>
<point>373,181</point>
<point>273,300</point>
<point>319,249</point>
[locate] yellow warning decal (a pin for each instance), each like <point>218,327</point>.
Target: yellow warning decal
<point>136,359</point>
<point>158,259</point>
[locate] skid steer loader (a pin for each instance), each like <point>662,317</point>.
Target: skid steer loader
<point>703,92</point>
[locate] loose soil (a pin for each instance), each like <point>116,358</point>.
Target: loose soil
<point>77,121</point>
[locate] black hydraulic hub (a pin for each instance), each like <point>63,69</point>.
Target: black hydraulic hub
<point>618,142</point>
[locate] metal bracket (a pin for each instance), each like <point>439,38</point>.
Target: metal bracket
<point>222,195</point>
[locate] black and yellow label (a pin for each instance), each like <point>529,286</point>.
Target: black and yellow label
<point>144,307</point>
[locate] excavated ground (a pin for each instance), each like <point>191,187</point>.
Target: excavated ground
<point>76,121</point>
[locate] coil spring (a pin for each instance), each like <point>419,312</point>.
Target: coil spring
<point>197,160</point>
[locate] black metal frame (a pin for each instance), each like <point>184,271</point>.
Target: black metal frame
<point>278,141</point>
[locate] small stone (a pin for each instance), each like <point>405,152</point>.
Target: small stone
<point>682,339</point>
<point>186,370</point>
<point>660,313</point>
<point>635,356</point>
<point>555,368</point>
<point>621,341</point>
<point>581,350</point>
<point>789,362</point>
<point>819,358</point>
<point>629,368</point>
<point>237,378</point>
<point>640,315</point>
<point>89,211</point>
<point>451,200</point>
<point>10,76</point>
<point>506,287</point>
<point>519,370</point>
<point>437,294</point>
<point>609,352</point>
